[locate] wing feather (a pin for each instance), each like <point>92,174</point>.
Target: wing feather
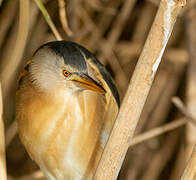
<point>111,102</point>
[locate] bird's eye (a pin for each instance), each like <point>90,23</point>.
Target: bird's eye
<point>66,73</point>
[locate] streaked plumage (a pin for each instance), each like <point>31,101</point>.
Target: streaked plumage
<point>63,125</point>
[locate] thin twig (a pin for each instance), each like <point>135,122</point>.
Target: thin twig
<point>157,131</point>
<point>63,17</point>
<point>89,25</point>
<point>134,100</point>
<point>116,29</point>
<point>95,38</point>
<point>96,4</point>
<point>180,105</point>
<point>48,19</point>
<point>3,175</point>
<point>120,21</point>
<point>144,22</point>
<point>190,171</point>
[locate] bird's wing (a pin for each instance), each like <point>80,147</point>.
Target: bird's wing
<point>22,75</point>
<point>99,113</point>
<point>111,97</point>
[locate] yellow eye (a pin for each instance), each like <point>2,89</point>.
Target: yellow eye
<point>66,73</point>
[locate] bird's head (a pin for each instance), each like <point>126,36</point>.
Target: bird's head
<point>62,64</point>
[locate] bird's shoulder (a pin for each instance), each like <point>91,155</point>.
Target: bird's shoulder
<point>111,105</point>
<point>101,73</point>
<point>22,75</point>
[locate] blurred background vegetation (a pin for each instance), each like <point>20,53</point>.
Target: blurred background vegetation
<point>115,31</point>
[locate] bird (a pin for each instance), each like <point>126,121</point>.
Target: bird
<point>66,106</point>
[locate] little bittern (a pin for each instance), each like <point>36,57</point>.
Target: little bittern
<point>66,106</point>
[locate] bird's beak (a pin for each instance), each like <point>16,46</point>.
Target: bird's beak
<point>87,82</point>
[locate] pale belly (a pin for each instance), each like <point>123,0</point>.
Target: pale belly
<point>63,136</point>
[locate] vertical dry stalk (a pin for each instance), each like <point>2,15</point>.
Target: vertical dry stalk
<point>179,165</point>
<point>190,171</point>
<point>120,21</point>
<point>74,19</point>
<point>144,22</point>
<point>138,90</point>
<point>8,73</point>
<point>3,175</point>
<point>48,19</point>
<point>63,17</point>
<point>11,133</point>
<point>95,38</point>
<point>39,32</point>
<point>6,18</point>
<point>117,30</point>
<point>191,78</point>
<point>158,163</point>
<point>10,40</point>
